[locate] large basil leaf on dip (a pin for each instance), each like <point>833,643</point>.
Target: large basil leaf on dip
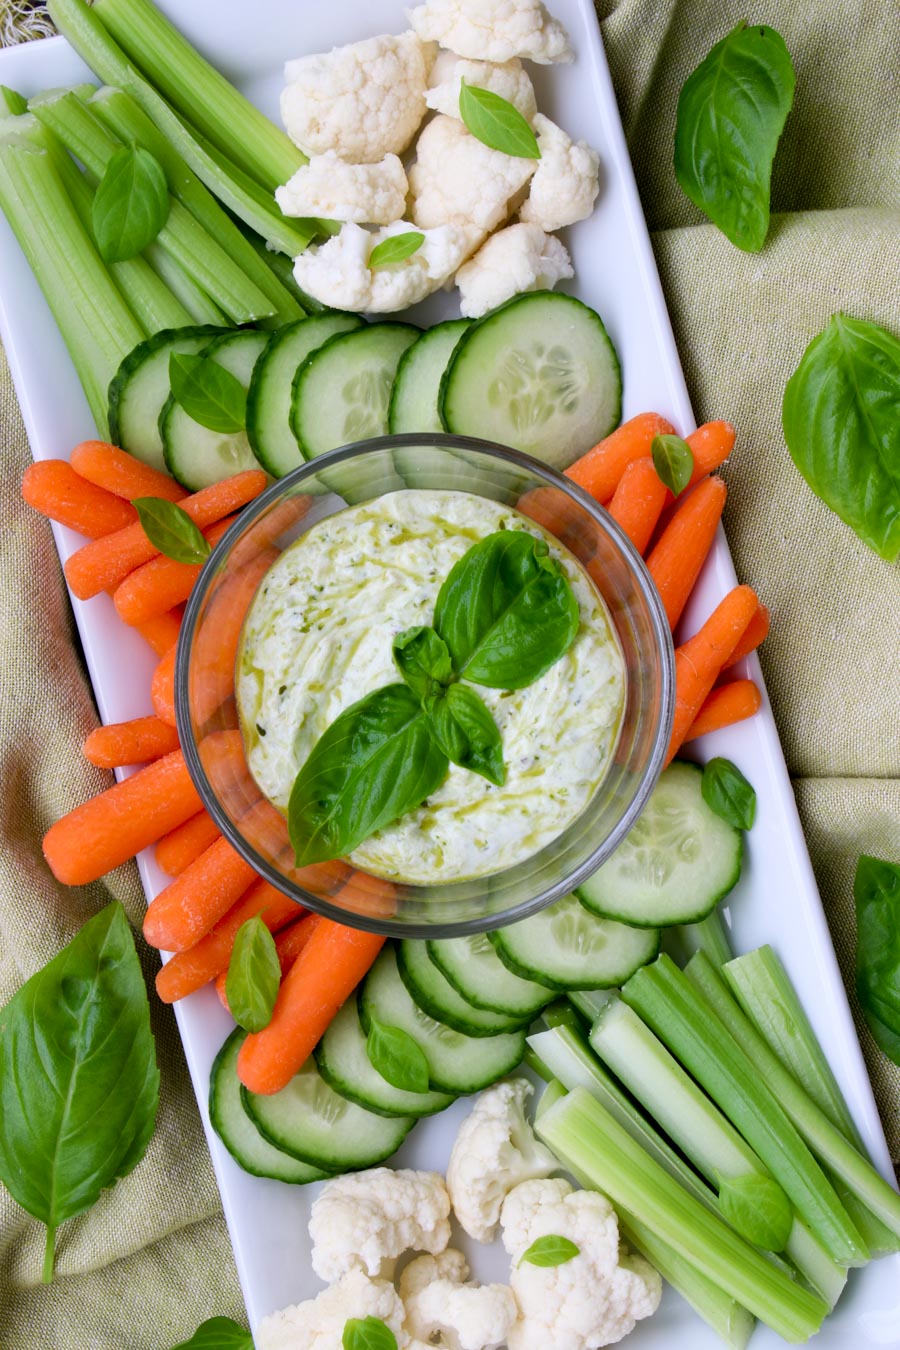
<point>375,762</point>
<point>467,733</point>
<point>506,611</point>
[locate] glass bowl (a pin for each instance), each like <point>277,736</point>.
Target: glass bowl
<point>205,677</point>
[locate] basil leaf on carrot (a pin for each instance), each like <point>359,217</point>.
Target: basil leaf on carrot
<point>758,1209</point>
<point>396,248</point>
<point>423,660</point>
<point>79,1086</point>
<point>841,419</point>
<point>397,1057</point>
<point>506,611</point>
<point>731,113</point>
<point>551,1250</point>
<point>170,529</point>
<point>727,792</point>
<point>465,730</point>
<point>218,1333</point>
<point>496,123</point>
<point>254,975</point>
<point>673,461</point>
<point>876,891</point>
<point>208,392</point>
<point>131,204</point>
<point>367,1333</point>
<point>374,763</point>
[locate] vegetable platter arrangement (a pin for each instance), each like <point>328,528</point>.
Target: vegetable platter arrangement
<point>275,1231</point>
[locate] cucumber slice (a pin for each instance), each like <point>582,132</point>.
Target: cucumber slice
<point>456,1063</point>
<point>345,1066</point>
<point>310,1121</point>
<point>539,374</point>
<point>565,947</point>
<point>269,396</point>
<point>416,392</point>
<point>238,1132</point>
<point>676,863</point>
<point>436,995</point>
<point>475,970</point>
<point>194,455</point>
<point>140,387</point>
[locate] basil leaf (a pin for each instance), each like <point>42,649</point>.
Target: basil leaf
<point>368,1333</point>
<point>731,113</point>
<point>170,529</point>
<point>397,1057</point>
<point>551,1250</point>
<point>758,1209</point>
<point>375,762</point>
<point>841,418</point>
<point>131,204</point>
<point>79,1086</point>
<point>876,891</point>
<point>396,248</point>
<point>506,611</point>
<point>254,976</point>
<point>727,792</point>
<point>219,1333</point>
<point>673,461</point>
<point>208,392</point>
<point>423,660</point>
<point>496,123</point>
<point>466,732</point>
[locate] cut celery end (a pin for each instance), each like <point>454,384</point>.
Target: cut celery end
<point>590,1002</point>
<point>11,102</point>
<point>551,1093</point>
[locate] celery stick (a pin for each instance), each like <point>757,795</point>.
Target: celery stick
<point>590,1002</point>
<point>196,303</point>
<point>578,1129</point>
<point>535,1063</point>
<point>551,1093</point>
<point>11,102</point>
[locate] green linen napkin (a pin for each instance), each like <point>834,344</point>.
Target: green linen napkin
<point>152,1259</point>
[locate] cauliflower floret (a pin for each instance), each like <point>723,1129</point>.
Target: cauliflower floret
<point>363,101</point>
<point>318,1324</point>
<point>443,1310</point>
<point>494,1150</point>
<point>510,80</point>
<point>493,30</point>
<point>456,180</point>
<point>592,1300</point>
<point>368,194</point>
<point>337,273</point>
<point>519,258</point>
<point>367,1219</point>
<point>566,180</point>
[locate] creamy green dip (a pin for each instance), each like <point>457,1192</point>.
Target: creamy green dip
<point>318,637</point>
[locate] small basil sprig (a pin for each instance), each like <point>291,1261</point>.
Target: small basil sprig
<point>423,659</point>
<point>463,727</point>
<point>758,1209</point>
<point>208,392</point>
<point>727,792</point>
<point>552,1250</point>
<point>496,123</point>
<point>218,1333</point>
<point>368,1333</point>
<point>170,529</point>
<point>254,975</point>
<point>131,204</point>
<point>673,461</point>
<point>399,1059</point>
<point>876,891</point>
<point>396,248</point>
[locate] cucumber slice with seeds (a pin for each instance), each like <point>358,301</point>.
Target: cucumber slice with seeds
<point>436,995</point>
<point>475,970</point>
<point>566,947</point>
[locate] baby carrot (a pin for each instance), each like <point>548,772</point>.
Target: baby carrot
<point>115,825</point>
<point>289,943</point>
<point>161,632</point>
<point>162,687</point>
<point>53,487</point>
<point>711,444</point>
<point>122,474</point>
<point>104,563</point>
<point>178,849</point>
<point>638,501</point>
<point>218,636</point>
<point>324,975</point>
<point>162,583</point>
<point>194,902</point>
<point>675,560</point>
<point>757,632</point>
<point>134,742</point>
<point>225,765</point>
<point>725,705</point>
<point>699,660</point>
<point>599,471</point>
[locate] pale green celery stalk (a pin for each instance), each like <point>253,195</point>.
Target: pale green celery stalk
<point>283,269</point>
<point>697,1127</point>
<point>193,298</point>
<point>590,1002</point>
<point>579,1130</point>
<point>12,103</point>
<point>551,1093</point>
<point>96,324</point>
<point>535,1063</point>
<point>562,1013</point>
<point>125,119</point>
<point>826,1141</point>
<point>199,92</point>
<point>86,34</point>
<point>709,935</point>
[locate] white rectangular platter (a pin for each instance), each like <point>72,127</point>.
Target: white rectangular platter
<point>776,900</point>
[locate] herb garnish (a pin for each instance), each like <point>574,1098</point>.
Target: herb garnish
<point>254,975</point>
<point>208,392</point>
<point>131,204</point>
<point>170,529</point>
<point>551,1250</point>
<point>396,248</point>
<point>496,122</point>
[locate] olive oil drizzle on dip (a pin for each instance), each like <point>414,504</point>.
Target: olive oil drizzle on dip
<point>318,637</point>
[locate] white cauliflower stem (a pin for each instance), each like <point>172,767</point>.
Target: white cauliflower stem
<point>493,30</point>
<point>517,259</point>
<point>566,180</point>
<point>595,1298</point>
<point>456,180</point>
<point>368,194</point>
<point>494,1151</point>
<point>509,81</point>
<point>363,101</point>
<point>318,1324</point>
<point>364,1221</point>
<point>442,1310</point>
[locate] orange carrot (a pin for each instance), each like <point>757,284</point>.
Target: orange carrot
<point>225,765</point>
<point>191,969</point>
<point>757,632</point>
<point>161,632</point>
<point>118,823</point>
<point>53,487</point>
<point>725,705</point>
<point>599,471</point>
<point>196,900</point>
<point>135,742</point>
<point>699,660</point>
<point>162,687</point>
<point>675,561</point>
<point>324,975</point>
<point>711,444</point>
<point>178,849</point>
<point>219,633</point>
<point>289,943</point>
<point>122,474</point>
<point>638,501</point>
<point>162,583</point>
<point>105,563</point>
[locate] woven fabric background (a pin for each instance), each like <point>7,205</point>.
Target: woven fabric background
<point>152,1259</point>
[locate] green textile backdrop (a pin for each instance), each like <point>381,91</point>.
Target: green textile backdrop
<point>153,1259</point>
